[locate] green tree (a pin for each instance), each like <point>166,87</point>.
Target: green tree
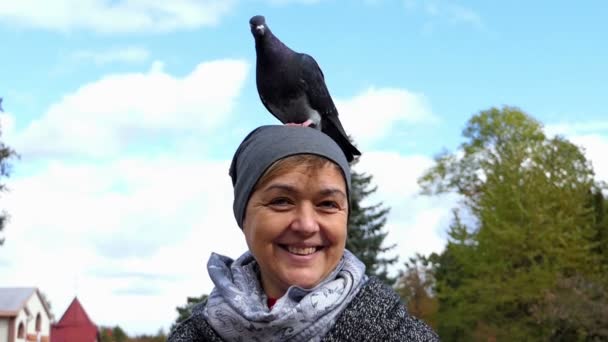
<point>366,229</point>
<point>6,153</point>
<point>183,312</point>
<point>119,335</point>
<point>528,225</point>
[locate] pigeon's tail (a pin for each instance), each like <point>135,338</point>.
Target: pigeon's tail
<point>339,136</point>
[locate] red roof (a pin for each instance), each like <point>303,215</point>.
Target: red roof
<point>74,325</point>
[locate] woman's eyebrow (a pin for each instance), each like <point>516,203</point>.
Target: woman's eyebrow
<point>328,191</point>
<point>332,191</point>
<point>281,187</point>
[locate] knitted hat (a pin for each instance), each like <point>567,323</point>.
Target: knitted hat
<point>267,144</point>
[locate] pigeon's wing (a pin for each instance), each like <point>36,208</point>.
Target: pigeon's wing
<point>312,80</point>
<point>265,103</point>
<point>313,83</point>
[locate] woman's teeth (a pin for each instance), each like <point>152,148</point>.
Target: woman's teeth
<point>301,251</point>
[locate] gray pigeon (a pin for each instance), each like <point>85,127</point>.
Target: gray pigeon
<point>292,87</point>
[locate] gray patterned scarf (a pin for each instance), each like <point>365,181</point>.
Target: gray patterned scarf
<point>237,307</point>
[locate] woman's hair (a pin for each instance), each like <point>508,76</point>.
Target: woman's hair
<point>310,161</point>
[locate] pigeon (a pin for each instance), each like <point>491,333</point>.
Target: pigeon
<point>292,87</point>
<point>1,109</point>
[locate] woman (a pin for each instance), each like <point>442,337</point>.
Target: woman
<point>297,282</point>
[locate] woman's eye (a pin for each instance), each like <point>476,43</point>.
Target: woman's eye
<point>330,205</point>
<point>281,201</point>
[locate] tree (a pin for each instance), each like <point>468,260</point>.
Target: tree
<point>6,153</point>
<point>183,312</point>
<point>105,334</point>
<point>365,229</point>
<point>119,335</point>
<point>600,209</point>
<point>415,287</point>
<point>576,309</point>
<point>159,337</point>
<point>112,334</point>
<point>529,225</point>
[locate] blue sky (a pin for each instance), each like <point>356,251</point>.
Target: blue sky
<point>126,114</point>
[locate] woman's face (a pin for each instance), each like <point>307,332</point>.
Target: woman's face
<point>295,227</point>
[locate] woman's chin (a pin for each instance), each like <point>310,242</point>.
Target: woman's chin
<point>304,278</point>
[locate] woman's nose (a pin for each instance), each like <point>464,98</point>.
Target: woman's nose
<point>305,220</point>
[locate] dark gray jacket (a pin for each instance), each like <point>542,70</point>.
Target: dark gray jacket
<point>375,314</point>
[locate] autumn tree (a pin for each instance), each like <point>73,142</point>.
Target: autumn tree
<point>112,334</point>
<point>415,286</point>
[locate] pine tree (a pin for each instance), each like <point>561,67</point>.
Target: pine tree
<point>366,229</point>
<point>185,311</point>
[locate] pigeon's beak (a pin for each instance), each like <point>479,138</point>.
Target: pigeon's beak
<point>260,29</point>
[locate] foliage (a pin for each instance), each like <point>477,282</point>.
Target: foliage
<point>159,337</point>
<point>576,309</point>
<point>6,153</point>
<point>112,334</point>
<point>366,229</point>
<point>535,227</point>
<point>415,287</point>
<point>117,334</point>
<point>183,312</point>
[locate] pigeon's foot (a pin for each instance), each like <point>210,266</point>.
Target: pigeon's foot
<point>306,123</point>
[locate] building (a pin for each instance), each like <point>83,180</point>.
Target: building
<point>74,326</point>
<point>24,315</point>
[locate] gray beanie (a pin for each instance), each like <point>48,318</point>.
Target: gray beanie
<point>267,144</point>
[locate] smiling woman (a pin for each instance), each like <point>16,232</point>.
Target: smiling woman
<point>295,222</point>
<point>297,282</point>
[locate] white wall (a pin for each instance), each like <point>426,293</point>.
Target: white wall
<point>21,317</point>
<point>3,329</point>
<point>35,306</point>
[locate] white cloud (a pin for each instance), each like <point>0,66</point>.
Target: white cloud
<point>592,136</point>
<point>130,54</point>
<point>576,128</point>
<point>103,117</point>
<point>373,114</point>
<point>130,233</point>
<point>595,146</point>
<point>416,223</point>
<point>133,234</point>
<point>115,16</point>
